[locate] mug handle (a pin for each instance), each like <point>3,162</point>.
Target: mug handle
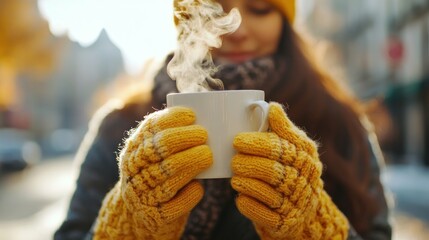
<point>264,106</point>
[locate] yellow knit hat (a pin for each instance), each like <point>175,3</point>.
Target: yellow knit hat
<point>287,7</point>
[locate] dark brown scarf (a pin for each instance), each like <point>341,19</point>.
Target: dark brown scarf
<point>262,73</point>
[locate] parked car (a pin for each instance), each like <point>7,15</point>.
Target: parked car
<point>17,150</point>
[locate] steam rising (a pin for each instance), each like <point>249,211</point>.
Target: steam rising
<point>200,28</point>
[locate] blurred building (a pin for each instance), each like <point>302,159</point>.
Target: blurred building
<point>409,22</point>
<point>384,48</point>
<point>60,106</point>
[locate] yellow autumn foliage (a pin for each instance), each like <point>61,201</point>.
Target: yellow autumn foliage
<point>26,43</point>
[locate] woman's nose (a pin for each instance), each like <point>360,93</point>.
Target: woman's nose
<point>240,34</point>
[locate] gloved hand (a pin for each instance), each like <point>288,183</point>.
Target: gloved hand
<point>277,175</point>
<point>156,191</point>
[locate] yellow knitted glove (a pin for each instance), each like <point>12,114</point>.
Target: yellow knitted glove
<point>277,175</point>
<point>156,191</point>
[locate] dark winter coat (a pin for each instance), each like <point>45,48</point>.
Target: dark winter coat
<point>99,173</point>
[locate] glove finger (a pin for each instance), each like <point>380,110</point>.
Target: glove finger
<point>257,212</point>
<point>267,145</point>
<point>264,169</point>
<point>144,151</point>
<point>138,151</point>
<point>160,182</point>
<point>282,126</point>
<point>167,118</point>
<point>174,140</point>
<point>176,182</point>
<point>258,190</point>
<point>185,200</point>
<point>189,163</point>
<point>270,146</point>
<point>173,117</point>
<point>284,179</point>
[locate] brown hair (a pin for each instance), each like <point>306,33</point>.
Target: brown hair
<point>331,115</point>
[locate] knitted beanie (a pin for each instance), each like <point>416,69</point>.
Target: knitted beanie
<point>287,7</point>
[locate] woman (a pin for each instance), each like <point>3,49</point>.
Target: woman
<point>283,196</point>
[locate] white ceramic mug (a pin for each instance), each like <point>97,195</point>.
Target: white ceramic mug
<point>224,114</point>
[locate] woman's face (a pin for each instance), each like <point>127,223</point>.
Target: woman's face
<point>258,35</point>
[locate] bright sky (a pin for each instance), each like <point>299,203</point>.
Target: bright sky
<point>140,28</point>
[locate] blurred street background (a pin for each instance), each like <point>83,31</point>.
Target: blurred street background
<point>60,60</point>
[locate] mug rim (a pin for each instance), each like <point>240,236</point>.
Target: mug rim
<point>216,92</point>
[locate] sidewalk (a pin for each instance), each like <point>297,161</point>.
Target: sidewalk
<point>410,188</point>
<point>409,185</point>
<point>33,203</point>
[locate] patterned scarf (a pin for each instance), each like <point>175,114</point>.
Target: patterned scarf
<point>263,73</point>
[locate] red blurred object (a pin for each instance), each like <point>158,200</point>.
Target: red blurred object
<point>395,51</point>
